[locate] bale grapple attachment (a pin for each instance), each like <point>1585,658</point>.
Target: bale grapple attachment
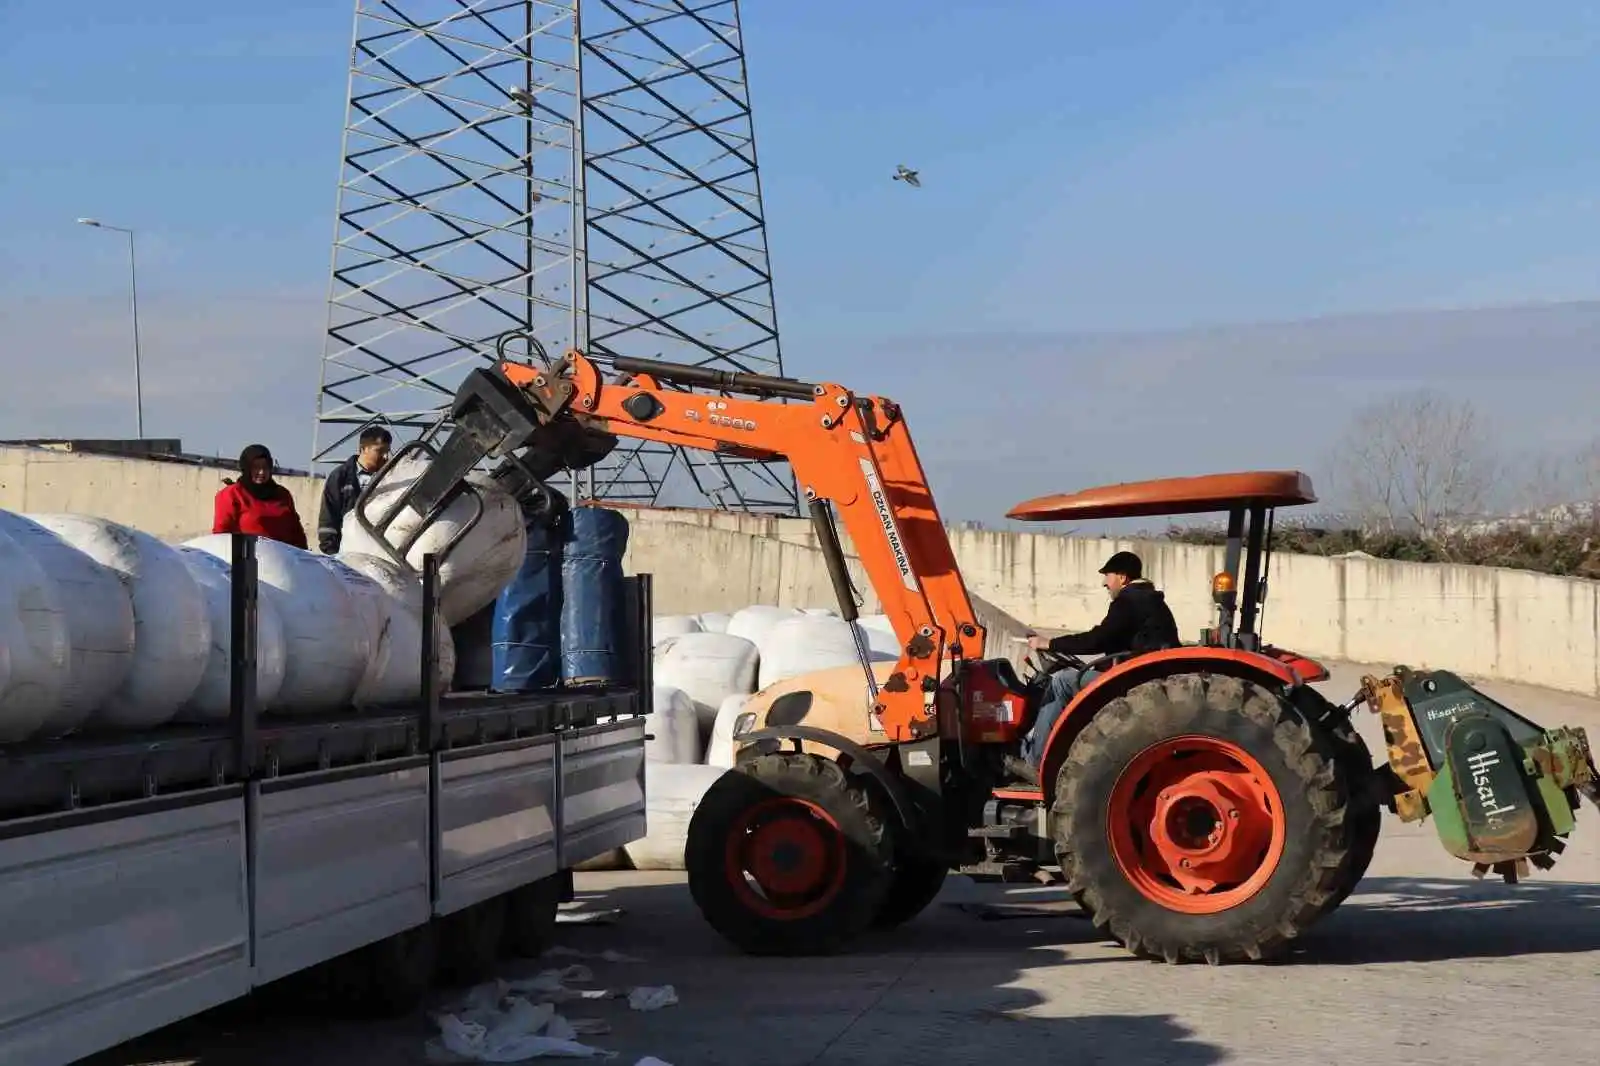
<point>1503,792</point>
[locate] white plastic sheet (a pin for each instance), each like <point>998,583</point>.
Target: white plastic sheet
<point>402,675</point>
<point>719,750</point>
<point>475,570</point>
<point>213,699</point>
<point>652,997</point>
<point>714,621</point>
<point>326,639</point>
<point>671,794</point>
<point>673,625</point>
<point>808,643</point>
<point>34,645</point>
<point>709,667</point>
<point>673,728</point>
<point>514,1021</point>
<point>753,622</point>
<point>373,610</point>
<point>172,627</point>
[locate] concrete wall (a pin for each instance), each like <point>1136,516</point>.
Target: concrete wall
<point>1500,624</point>
<point>169,500</point>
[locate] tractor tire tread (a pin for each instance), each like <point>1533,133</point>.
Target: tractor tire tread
<point>1308,780</point>
<point>917,882</point>
<point>869,855</point>
<point>1363,822</point>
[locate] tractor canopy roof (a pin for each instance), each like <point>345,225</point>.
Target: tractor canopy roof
<point>1172,496</point>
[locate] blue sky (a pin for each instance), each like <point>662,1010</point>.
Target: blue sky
<point>1119,203</point>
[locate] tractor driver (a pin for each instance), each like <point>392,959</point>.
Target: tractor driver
<point>1137,621</point>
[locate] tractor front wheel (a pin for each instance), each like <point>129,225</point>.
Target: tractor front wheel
<point>786,855</point>
<point>917,880</point>
<point>1201,817</point>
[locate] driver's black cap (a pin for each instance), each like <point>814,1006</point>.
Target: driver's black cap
<point>1125,563</point>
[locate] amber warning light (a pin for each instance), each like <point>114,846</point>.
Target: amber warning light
<point>1221,586</point>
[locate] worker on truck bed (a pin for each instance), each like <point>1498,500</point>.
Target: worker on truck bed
<point>1137,621</point>
<point>345,483</point>
<point>256,504</point>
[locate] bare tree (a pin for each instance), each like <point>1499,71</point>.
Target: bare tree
<point>1415,461</point>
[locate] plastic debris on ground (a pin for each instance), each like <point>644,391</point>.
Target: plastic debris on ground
<point>646,997</point>
<point>516,1020</point>
<point>608,955</point>
<point>601,917</point>
<point>1001,912</point>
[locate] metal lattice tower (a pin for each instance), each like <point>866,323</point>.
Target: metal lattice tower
<point>585,174</point>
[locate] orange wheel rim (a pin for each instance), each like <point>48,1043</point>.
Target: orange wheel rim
<point>1196,824</point>
<point>785,858</point>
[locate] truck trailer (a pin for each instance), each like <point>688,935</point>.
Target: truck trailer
<point>148,877</point>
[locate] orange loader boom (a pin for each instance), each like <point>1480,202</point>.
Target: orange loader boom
<point>1257,803</point>
<point>852,452</point>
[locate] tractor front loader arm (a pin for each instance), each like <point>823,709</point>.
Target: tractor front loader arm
<point>852,452</point>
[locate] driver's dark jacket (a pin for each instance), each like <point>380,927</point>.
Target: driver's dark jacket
<point>1138,621</point>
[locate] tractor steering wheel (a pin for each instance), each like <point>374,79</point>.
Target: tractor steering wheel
<point>1043,662</point>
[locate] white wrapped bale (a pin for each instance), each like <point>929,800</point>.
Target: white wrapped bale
<point>673,727</point>
<point>882,642</point>
<point>808,643</point>
<point>752,623</point>
<point>714,621</point>
<point>672,792</point>
<point>327,645</point>
<point>402,678</point>
<point>673,625</point>
<point>372,607</point>
<point>820,612</point>
<point>35,645</point>
<point>98,616</point>
<point>171,625</point>
<point>719,751</point>
<point>709,667</point>
<point>477,568</point>
<point>213,699</point>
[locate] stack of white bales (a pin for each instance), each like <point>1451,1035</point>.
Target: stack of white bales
<point>706,666</point>
<point>105,628</point>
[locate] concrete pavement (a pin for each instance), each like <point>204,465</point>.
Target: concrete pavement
<point>1422,965</point>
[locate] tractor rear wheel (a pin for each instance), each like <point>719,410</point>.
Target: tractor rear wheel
<point>1201,817</point>
<point>1363,820</point>
<point>786,855</point>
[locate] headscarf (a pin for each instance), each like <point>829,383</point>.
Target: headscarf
<point>247,459</point>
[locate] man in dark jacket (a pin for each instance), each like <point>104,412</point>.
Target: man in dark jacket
<point>1137,621</point>
<point>345,483</point>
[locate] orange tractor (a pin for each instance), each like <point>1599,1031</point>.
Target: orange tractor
<point>1200,803</point>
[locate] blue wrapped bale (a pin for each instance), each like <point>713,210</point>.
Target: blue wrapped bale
<point>526,635</point>
<point>592,608</point>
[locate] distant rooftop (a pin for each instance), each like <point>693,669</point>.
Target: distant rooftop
<point>155,449</point>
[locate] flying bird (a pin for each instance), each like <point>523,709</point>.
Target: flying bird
<point>907,176</point>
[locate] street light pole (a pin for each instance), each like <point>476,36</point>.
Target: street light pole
<point>133,279</point>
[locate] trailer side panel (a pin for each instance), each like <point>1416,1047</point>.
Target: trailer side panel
<point>496,821</point>
<point>340,861</point>
<point>119,923</point>
<point>602,789</point>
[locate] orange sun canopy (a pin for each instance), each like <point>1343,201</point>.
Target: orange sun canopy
<point>1171,496</point>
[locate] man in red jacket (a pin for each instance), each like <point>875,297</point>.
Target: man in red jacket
<point>256,504</point>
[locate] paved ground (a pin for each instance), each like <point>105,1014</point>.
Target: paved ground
<point>1422,965</point>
